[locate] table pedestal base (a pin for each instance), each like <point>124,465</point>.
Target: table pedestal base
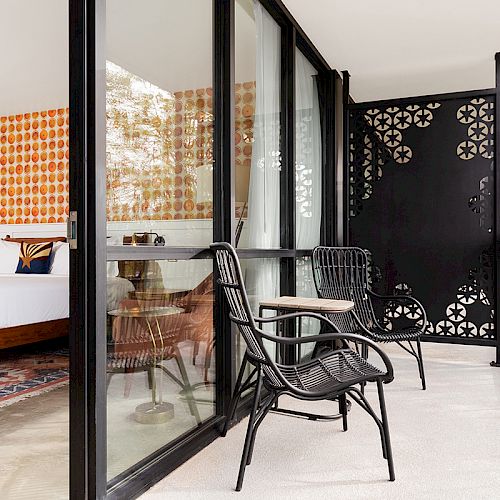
<point>150,413</point>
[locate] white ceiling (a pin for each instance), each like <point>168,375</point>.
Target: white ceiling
<point>399,48</point>
<point>34,60</point>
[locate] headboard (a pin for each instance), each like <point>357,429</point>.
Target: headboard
<point>35,240</point>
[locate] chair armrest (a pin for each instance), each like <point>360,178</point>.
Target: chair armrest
<point>307,314</point>
<point>402,298</point>
<point>347,337</point>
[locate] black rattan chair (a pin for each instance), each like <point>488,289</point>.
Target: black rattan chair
<point>329,376</point>
<point>342,273</point>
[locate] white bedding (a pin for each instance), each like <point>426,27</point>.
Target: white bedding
<point>34,298</point>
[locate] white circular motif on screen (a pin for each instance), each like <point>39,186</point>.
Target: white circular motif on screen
<point>466,295</point>
<point>402,120</point>
<point>478,100</point>
<point>373,111</point>
<point>483,298</point>
<point>433,105</point>
<point>445,327</point>
<point>487,112</point>
<point>393,138</point>
<point>368,191</point>
<point>487,330</point>
<point>466,114</point>
<point>423,118</point>
<point>382,122</point>
<point>466,150</point>
<point>412,311</point>
<point>412,108</point>
<point>467,329</point>
<point>403,154</point>
<point>392,109</point>
<point>487,149</point>
<point>456,312</point>
<point>478,131</point>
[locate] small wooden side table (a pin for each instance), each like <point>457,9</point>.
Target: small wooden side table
<point>305,304</point>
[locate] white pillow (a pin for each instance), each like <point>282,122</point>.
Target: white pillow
<point>9,256</point>
<point>60,261</point>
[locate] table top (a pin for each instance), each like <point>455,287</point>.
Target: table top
<point>145,312</point>
<point>308,304</point>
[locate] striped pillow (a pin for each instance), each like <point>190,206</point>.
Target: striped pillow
<point>34,258</point>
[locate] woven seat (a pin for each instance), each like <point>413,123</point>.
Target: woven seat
<point>403,334</point>
<point>331,372</point>
<point>328,376</point>
<point>342,274</point>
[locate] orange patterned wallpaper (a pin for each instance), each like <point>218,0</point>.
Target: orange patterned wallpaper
<point>34,167</point>
<point>156,140</point>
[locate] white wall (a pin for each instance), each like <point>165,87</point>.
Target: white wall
<point>34,59</point>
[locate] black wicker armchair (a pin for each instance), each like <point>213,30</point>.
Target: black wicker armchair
<point>342,273</point>
<point>331,375</point>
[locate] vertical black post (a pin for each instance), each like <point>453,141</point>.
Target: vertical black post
<point>223,185</point>
<point>287,178</point>
<point>329,150</point>
<point>88,259</point>
<point>497,211</point>
<point>345,157</point>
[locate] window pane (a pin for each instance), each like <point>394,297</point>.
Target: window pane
<point>308,154</point>
<point>262,281</point>
<point>160,356</point>
<point>159,119</point>
<point>257,134</point>
<point>159,191</point>
<point>306,288</point>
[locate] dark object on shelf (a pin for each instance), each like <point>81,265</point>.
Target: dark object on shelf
<point>333,375</point>
<point>342,273</point>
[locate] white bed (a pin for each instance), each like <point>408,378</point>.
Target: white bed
<point>33,298</point>
<point>36,298</point>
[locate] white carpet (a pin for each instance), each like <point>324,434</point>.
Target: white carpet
<point>446,442</point>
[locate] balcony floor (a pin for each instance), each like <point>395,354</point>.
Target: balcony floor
<point>446,442</point>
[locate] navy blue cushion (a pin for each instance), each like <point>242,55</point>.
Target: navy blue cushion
<point>34,258</point>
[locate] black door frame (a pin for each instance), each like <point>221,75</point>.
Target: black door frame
<point>88,261</point>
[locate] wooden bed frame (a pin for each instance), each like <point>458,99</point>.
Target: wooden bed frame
<point>36,332</point>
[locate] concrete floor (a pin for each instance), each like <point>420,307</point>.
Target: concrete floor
<point>446,443</point>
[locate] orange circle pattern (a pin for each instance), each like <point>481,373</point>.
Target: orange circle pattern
<point>34,167</point>
<point>166,190</point>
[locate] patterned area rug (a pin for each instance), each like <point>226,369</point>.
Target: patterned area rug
<point>26,375</point>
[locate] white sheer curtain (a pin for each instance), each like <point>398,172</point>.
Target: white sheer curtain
<point>308,179</point>
<point>262,276</point>
<point>307,154</point>
<point>264,186</point>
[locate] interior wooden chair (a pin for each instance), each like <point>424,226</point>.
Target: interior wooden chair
<point>332,375</point>
<point>342,273</point>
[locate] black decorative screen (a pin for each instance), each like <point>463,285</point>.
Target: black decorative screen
<point>421,203</point>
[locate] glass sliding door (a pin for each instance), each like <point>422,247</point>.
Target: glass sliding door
<point>160,360</point>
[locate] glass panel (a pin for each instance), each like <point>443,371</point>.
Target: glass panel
<point>160,344</point>
<point>262,281</point>
<point>257,134</point>
<point>305,288</point>
<point>159,120</point>
<point>308,154</point>
<point>159,192</point>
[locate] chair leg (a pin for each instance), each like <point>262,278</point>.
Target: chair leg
<point>420,361</point>
<point>250,429</point>
<point>264,410</point>
<point>343,410</point>
<point>235,397</point>
<point>193,408</point>
<point>385,424</point>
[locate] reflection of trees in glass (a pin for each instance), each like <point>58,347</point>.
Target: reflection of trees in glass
<point>140,153</point>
